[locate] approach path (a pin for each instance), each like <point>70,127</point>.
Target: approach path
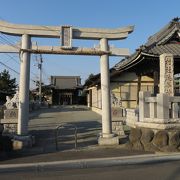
<point>42,125</point>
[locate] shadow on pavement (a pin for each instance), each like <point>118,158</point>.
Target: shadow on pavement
<point>87,133</point>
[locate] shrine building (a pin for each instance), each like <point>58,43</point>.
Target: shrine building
<point>139,71</point>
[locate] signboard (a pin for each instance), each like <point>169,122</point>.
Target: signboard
<point>66,37</point>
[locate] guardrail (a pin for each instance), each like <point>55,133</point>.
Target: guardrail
<point>65,126</point>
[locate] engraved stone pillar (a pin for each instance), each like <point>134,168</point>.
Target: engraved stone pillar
<point>167,74</point>
<point>23,115</point>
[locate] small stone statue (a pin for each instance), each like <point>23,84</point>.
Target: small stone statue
<point>14,102</point>
<point>8,103</point>
<point>15,99</point>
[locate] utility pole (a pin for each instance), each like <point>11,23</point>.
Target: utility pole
<point>40,78</point>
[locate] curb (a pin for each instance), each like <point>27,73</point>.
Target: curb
<point>89,163</point>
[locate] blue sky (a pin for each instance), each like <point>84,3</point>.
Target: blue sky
<point>147,17</point>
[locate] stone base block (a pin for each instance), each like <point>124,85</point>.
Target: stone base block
<point>154,140</point>
<point>21,142</point>
<point>157,126</point>
<point>108,141</point>
<point>10,129</point>
<point>11,114</point>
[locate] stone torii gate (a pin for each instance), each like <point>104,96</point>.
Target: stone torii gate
<point>66,34</point>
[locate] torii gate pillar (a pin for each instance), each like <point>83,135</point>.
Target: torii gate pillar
<point>106,138</point>
<point>23,113</point>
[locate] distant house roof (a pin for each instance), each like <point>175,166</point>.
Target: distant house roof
<point>66,82</point>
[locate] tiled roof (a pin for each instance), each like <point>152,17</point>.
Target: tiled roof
<point>162,36</point>
<point>167,40</point>
<point>128,61</point>
<point>65,82</point>
<point>167,48</point>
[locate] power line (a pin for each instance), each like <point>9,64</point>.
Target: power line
<point>33,74</point>
<point>9,68</point>
<point>16,39</point>
<point>5,41</point>
<point>11,57</point>
<point>5,20</point>
<point>13,70</point>
<point>45,74</point>
<point>8,42</point>
<point>15,60</point>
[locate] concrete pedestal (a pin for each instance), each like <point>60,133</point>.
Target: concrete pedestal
<point>21,142</point>
<point>10,121</point>
<point>109,140</point>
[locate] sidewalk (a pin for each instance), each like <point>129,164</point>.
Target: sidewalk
<point>89,162</point>
<point>33,156</point>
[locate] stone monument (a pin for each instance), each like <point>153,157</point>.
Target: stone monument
<point>167,74</point>
<point>117,115</point>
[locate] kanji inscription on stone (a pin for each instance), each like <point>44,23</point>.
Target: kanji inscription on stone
<point>66,37</point>
<point>167,74</point>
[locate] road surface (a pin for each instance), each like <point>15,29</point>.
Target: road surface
<point>157,171</point>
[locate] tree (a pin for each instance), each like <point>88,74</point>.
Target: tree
<point>7,85</point>
<point>89,78</point>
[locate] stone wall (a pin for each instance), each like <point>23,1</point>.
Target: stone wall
<point>154,140</point>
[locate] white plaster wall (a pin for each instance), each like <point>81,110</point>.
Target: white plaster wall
<point>99,98</point>
<point>94,97</point>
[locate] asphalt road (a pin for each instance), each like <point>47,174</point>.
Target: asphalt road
<point>157,171</point>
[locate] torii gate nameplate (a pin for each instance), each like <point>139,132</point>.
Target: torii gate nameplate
<point>66,37</point>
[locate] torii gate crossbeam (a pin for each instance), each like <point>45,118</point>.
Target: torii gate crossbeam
<point>66,33</point>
